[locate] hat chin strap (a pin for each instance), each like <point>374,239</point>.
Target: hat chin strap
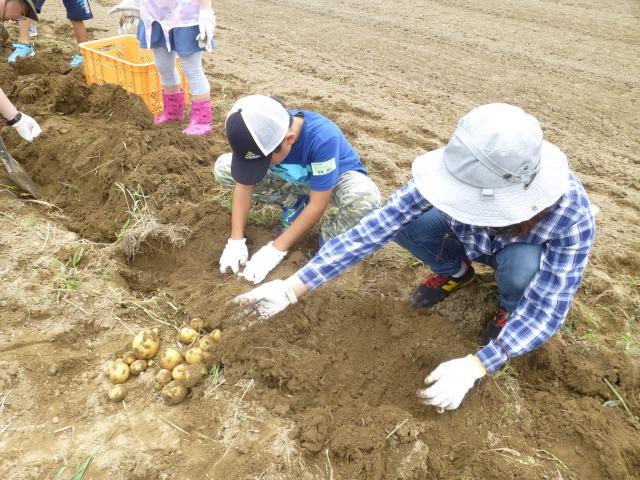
<point>499,170</point>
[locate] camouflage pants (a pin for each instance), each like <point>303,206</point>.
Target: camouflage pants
<point>354,196</point>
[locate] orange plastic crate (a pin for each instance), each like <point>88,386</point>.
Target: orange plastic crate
<point>120,61</point>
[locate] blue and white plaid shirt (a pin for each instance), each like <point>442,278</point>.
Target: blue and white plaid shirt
<point>566,233</point>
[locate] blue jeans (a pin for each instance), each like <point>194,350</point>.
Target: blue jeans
<point>430,238</point>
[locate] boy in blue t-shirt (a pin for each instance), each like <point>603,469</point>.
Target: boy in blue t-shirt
<point>297,159</point>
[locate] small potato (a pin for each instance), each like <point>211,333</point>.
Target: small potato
<point>216,335</point>
<point>187,335</point>
<point>128,358</point>
<point>173,393</point>
<point>193,355</point>
<point>145,345</point>
<point>138,367</point>
<point>150,363</point>
<point>119,372</point>
<point>169,358</point>
<point>194,374</point>
<point>164,376</point>
<point>117,393</point>
<point>179,372</point>
<point>207,343</point>
<point>197,324</point>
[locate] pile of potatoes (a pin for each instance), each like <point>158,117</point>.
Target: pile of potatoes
<point>180,367</point>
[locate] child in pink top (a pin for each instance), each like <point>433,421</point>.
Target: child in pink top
<point>177,27</point>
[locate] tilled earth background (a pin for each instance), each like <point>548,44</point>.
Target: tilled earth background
<point>325,390</point>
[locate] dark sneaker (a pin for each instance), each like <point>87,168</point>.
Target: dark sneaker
<point>437,287</point>
<point>289,214</point>
<point>493,329</point>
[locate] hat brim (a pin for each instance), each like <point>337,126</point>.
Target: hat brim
<point>507,206</point>
<point>249,172</point>
<point>32,14</point>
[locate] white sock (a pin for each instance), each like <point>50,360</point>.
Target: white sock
<point>463,269</point>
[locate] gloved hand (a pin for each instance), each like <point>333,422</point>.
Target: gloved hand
<point>129,14</point>
<point>262,262</point>
<point>27,127</point>
<point>453,379</point>
<point>234,255</point>
<point>207,26</point>
<point>267,299</point>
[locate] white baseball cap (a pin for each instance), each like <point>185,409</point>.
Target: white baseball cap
<point>255,126</point>
<point>496,169</point>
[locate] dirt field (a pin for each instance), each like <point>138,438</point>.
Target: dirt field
<point>326,389</point>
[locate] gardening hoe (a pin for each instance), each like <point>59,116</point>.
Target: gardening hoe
<point>16,173</point>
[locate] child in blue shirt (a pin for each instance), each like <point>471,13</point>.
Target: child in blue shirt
<point>297,159</point>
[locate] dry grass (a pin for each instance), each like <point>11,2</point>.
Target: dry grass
<point>142,225</point>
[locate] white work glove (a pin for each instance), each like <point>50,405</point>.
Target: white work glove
<point>453,379</point>
<point>129,14</point>
<point>262,262</point>
<point>267,300</point>
<point>27,127</point>
<point>207,26</point>
<point>234,255</point>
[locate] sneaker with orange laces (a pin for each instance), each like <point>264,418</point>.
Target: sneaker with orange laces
<point>494,327</point>
<point>437,287</point>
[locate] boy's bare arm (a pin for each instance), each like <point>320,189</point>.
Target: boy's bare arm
<point>312,213</point>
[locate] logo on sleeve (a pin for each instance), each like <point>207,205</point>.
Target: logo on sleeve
<point>251,156</point>
<point>322,168</point>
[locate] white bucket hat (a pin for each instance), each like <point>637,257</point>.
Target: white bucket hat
<point>496,170</point>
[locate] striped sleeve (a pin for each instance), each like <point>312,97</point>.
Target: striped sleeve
<point>373,231</point>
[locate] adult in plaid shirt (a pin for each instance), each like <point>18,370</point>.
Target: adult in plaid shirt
<point>497,194</point>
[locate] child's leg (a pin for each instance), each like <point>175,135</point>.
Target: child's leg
<point>172,93</point>
<point>355,196</point>
<point>201,112</point>
<point>24,47</point>
<point>271,189</point>
<point>166,66</point>
<point>199,86</point>
<point>77,12</point>
<point>23,36</point>
<point>79,31</point>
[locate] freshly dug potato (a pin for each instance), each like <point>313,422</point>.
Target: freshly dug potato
<point>145,345</point>
<point>117,393</point>
<point>179,372</point>
<point>138,367</point>
<point>169,358</point>
<point>216,335</point>
<point>173,393</point>
<point>197,324</point>
<point>128,358</point>
<point>119,372</point>
<point>194,374</point>
<point>187,335</point>
<point>193,355</point>
<point>164,376</point>
<point>207,343</point>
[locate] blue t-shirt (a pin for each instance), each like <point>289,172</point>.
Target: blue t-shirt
<point>319,156</point>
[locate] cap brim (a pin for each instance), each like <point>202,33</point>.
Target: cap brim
<point>32,14</point>
<point>507,206</point>
<point>249,172</point>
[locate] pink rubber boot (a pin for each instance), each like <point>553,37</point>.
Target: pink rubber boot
<point>173,107</point>
<point>201,118</point>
